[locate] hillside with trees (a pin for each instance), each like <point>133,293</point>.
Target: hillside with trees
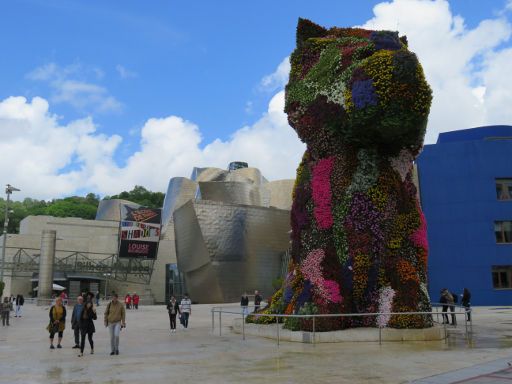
<point>74,206</point>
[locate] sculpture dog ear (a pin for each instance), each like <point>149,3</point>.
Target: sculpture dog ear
<point>306,29</point>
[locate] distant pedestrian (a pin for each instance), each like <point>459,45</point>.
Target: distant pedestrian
<point>128,301</point>
<point>64,297</point>
<point>75,320</point>
<point>257,301</point>
<point>86,325</point>
<point>97,298</point>
<point>135,300</point>
<point>244,303</point>
<point>185,309</point>
<point>57,322</point>
<point>174,309</point>
<point>5,309</point>
<point>114,319</point>
<point>447,300</point>
<point>466,303</point>
<point>20,300</point>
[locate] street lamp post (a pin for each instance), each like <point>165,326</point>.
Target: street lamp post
<point>107,276</point>
<point>9,189</point>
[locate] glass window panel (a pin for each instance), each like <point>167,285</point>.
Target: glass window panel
<point>504,189</point>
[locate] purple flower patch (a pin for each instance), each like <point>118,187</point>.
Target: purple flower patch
<point>363,93</point>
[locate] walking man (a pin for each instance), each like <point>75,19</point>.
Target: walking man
<point>186,309</point>
<point>5,309</point>
<point>173,308</point>
<point>19,305</point>
<point>257,300</point>
<point>135,300</point>
<point>75,320</point>
<point>115,316</point>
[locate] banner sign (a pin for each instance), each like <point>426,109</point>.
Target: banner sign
<point>140,232</point>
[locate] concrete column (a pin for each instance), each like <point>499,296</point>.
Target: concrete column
<point>46,260</point>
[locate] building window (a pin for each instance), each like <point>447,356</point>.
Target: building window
<point>503,231</point>
<point>501,276</point>
<point>504,189</point>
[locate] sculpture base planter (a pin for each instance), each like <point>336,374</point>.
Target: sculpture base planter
<point>435,333</point>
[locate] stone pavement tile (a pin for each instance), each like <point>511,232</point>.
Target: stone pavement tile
<point>490,372</point>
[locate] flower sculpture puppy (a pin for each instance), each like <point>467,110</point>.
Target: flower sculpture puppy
<point>360,101</point>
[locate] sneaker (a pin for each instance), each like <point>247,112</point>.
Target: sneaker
<point>59,346</point>
<point>80,354</point>
<point>117,352</point>
<point>92,351</point>
<point>52,347</point>
<point>76,346</point>
<point>112,353</point>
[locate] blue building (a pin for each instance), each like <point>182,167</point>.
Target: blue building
<point>465,184</point>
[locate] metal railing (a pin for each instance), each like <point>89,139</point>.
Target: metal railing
<point>239,311</point>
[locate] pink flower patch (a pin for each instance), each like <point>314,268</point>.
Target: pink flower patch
<point>327,290</point>
<point>321,188</point>
<point>333,291</point>
<point>419,237</point>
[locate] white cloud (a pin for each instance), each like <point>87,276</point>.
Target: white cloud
<point>466,67</point>
<point>41,148</point>
<point>35,148</point>
<point>125,73</point>
<point>69,86</point>
<point>277,79</point>
<point>462,65</point>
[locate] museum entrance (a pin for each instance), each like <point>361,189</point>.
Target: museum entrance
<point>175,282</point>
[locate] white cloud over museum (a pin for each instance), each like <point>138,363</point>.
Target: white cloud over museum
<point>467,69</point>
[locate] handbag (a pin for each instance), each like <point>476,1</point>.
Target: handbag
<point>53,328</point>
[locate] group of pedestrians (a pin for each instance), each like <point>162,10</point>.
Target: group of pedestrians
<point>183,309</point>
<point>82,322</point>
<point>9,304</point>
<point>449,300</point>
<point>131,301</point>
<point>244,302</point>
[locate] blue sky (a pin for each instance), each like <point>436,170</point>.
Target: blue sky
<point>119,65</point>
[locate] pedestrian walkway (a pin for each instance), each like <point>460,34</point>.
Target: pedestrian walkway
<point>493,372</point>
<point>149,353</point>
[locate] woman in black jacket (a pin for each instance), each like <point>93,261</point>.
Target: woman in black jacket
<point>86,325</point>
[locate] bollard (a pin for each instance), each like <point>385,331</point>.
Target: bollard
<point>243,326</point>
<point>314,337</point>
<point>380,335</point>
<point>220,322</point>
<point>213,320</point>
<point>277,327</point>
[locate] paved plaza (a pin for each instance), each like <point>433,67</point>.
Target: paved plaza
<point>150,354</point>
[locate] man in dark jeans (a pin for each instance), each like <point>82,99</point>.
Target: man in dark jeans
<point>257,300</point>
<point>75,319</point>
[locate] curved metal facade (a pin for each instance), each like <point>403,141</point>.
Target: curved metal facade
<point>111,209</point>
<point>226,249</point>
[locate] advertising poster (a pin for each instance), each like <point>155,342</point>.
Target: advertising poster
<point>140,232</point>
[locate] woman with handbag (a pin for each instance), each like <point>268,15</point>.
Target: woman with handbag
<point>87,328</point>
<point>57,322</point>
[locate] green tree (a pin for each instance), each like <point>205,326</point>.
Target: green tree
<point>142,196</point>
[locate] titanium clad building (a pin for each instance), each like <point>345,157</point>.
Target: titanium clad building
<point>233,235</point>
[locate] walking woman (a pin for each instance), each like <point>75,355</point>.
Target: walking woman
<point>174,308</point>
<point>57,322</point>
<point>87,328</point>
